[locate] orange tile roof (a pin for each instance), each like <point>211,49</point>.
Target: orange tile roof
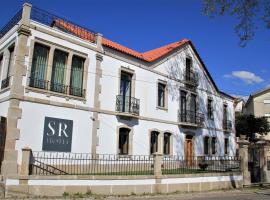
<point>148,56</point>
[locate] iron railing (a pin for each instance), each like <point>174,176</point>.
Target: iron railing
<point>227,125</point>
<point>56,87</point>
<point>127,104</point>
<point>191,77</point>
<point>201,164</point>
<point>59,87</point>
<point>191,117</point>
<point>76,91</point>
<point>63,24</point>
<point>39,83</point>
<point>5,82</point>
<point>12,22</point>
<point>59,163</point>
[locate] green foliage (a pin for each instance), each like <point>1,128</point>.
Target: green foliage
<point>249,13</point>
<point>249,125</point>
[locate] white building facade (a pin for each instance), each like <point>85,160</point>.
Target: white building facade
<point>65,88</point>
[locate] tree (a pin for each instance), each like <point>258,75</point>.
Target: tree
<point>249,125</point>
<point>248,13</point>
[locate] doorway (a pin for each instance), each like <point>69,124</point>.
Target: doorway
<point>189,150</point>
<point>3,126</point>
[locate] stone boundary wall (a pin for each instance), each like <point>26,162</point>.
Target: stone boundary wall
<point>119,185</point>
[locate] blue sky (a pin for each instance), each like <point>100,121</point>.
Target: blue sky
<point>144,25</point>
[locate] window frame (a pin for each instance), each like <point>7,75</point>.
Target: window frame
<point>206,138</point>
<point>226,146</point>
<point>210,110</point>
<point>213,144</point>
<point>165,93</point>
<point>169,147</point>
<point>123,151</point>
<point>158,133</point>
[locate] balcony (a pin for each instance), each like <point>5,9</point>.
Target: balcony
<point>191,118</point>
<point>5,83</point>
<point>127,106</point>
<point>227,125</point>
<point>56,87</point>
<point>191,78</point>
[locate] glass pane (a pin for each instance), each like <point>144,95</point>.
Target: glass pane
<point>76,76</point>
<point>11,61</point>
<point>58,71</point>
<point>39,65</point>
<point>161,95</point>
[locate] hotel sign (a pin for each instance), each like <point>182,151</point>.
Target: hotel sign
<point>57,135</point>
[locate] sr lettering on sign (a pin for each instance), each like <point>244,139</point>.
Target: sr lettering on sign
<point>57,135</point>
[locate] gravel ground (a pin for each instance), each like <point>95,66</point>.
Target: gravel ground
<point>245,194</point>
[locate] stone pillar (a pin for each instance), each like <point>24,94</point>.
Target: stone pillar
<point>158,171</point>
<point>243,154</point>
<point>9,165</point>
<point>26,156</point>
<point>99,42</point>
<point>157,164</point>
<point>97,91</point>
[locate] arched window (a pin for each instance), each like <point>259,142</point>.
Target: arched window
<point>154,142</point>
<point>206,145</point>
<point>166,143</point>
<point>123,141</point>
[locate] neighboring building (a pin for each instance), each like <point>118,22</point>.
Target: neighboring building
<point>239,104</point>
<point>258,104</point>
<point>66,88</point>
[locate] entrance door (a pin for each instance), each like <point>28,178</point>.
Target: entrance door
<point>188,150</point>
<point>2,139</point>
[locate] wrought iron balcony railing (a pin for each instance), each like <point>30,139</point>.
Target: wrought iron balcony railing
<point>39,83</point>
<point>227,125</point>
<point>59,87</point>
<point>75,91</point>
<point>127,104</point>
<point>191,117</point>
<point>191,78</point>
<point>5,83</point>
<point>56,87</point>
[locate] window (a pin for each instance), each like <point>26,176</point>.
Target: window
<point>166,143</point>
<point>183,106</point>
<point>161,94</point>
<point>39,65</point>
<point>188,68</point>
<point>76,77</point>
<point>206,145</point>
<point>154,142</point>
<point>1,62</point>
<point>213,145</point>
<point>193,108</point>
<point>226,146</point>
<point>6,76</point>
<point>210,108</point>
<point>123,141</point>
<point>58,72</point>
<point>125,92</point>
<point>225,112</point>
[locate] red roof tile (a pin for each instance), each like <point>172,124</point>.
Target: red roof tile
<point>148,56</point>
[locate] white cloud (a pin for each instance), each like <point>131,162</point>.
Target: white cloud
<point>245,76</point>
